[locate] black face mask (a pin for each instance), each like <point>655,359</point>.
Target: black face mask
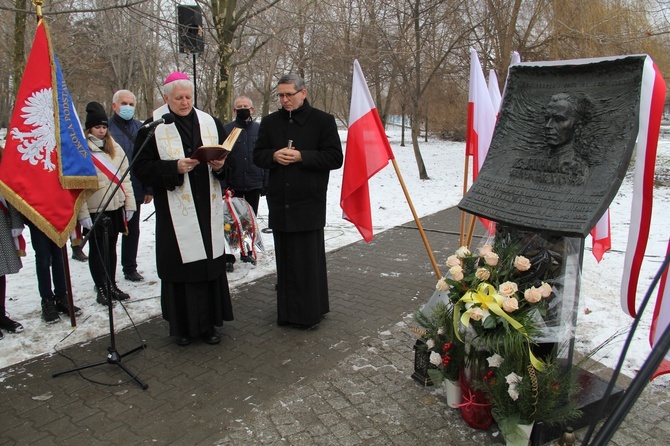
<point>243,114</point>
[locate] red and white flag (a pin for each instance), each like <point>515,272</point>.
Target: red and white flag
<point>481,115</point>
<point>601,238</point>
<point>494,91</point>
<point>481,121</point>
<point>367,152</point>
<point>46,167</point>
<point>661,319</point>
<point>652,98</point>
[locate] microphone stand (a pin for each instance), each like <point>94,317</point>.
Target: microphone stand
<point>113,356</point>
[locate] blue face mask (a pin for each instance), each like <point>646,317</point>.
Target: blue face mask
<point>126,112</point>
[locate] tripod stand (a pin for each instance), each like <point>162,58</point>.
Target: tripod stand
<point>113,356</point>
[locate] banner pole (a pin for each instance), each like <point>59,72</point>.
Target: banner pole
<point>465,190</point>
<point>416,219</point>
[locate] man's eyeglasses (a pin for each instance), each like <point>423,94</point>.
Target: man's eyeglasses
<point>287,95</point>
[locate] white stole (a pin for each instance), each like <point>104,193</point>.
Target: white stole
<point>180,200</point>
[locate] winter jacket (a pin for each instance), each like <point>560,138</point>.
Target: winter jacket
<point>122,198</point>
<point>296,193</point>
<point>247,176</point>
<point>132,126</point>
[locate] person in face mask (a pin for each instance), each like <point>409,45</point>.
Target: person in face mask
<point>124,127</point>
<point>247,181</point>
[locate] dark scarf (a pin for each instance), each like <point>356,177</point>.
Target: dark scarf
<point>189,129</point>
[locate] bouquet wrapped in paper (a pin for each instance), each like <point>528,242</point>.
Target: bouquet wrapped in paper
<point>241,228</point>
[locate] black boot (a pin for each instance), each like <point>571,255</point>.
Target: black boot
<point>118,294</point>
<point>63,306</point>
<point>102,297</point>
<point>7,324</point>
<point>49,311</point>
<point>78,253</point>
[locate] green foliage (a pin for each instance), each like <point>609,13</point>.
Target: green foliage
<point>441,340</point>
<point>547,395</point>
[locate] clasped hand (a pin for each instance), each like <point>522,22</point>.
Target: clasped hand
<point>287,156</point>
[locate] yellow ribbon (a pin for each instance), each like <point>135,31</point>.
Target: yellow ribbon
<point>488,299</point>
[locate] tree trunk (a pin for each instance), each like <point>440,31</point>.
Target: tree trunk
<point>223,12</point>
<point>415,142</point>
<point>19,44</point>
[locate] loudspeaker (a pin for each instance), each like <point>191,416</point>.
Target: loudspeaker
<point>189,28</point>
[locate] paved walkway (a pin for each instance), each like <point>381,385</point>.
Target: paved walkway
<point>346,382</point>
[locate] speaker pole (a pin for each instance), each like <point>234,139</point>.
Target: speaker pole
<point>195,85</point>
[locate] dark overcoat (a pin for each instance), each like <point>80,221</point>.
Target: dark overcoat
<point>247,176</point>
<point>296,193</point>
<point>124,133</point>
<point>163,175</point>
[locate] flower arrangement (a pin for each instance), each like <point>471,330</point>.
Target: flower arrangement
<point>498,301</point>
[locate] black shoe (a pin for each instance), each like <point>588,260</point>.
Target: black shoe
<point>101,297</point>
<point>9,325</point>
<point>134,276</point>
<point>183,340</point>
<point>229,267</point>
<point>1,334</point>
<point>63,306</point>
<point>248,259</point>
<point>49,311</point>
<point>118,294</point>
<point>211,337</point>
<point>78,254</point>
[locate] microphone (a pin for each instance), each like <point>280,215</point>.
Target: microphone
<point>167,118</point>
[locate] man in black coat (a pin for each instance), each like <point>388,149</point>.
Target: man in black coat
<point>247,180</point>
<point>300,145</point>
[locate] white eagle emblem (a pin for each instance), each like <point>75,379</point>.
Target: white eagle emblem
<point>38,145</point>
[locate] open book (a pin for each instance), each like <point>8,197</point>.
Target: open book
<point>206,154</point>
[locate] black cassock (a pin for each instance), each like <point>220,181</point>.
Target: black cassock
<point>194,295</point>
<point>302,281</point>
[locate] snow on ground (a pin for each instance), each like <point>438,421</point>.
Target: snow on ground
<point>600,315</point>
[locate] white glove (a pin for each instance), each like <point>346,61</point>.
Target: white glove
<point>129,215</point>
<point>86,223</point>
<point>16,232</point>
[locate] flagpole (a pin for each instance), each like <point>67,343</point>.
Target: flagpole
<point>68,286</point>
<point>38,8</point>
<point>465,190</point>
<point>471,230</point>
<point>416,219</point>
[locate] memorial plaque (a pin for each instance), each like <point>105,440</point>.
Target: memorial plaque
<point>561,146</point>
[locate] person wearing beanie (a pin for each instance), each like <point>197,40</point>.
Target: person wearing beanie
<point>110,165</point>
<point>190,259</point>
